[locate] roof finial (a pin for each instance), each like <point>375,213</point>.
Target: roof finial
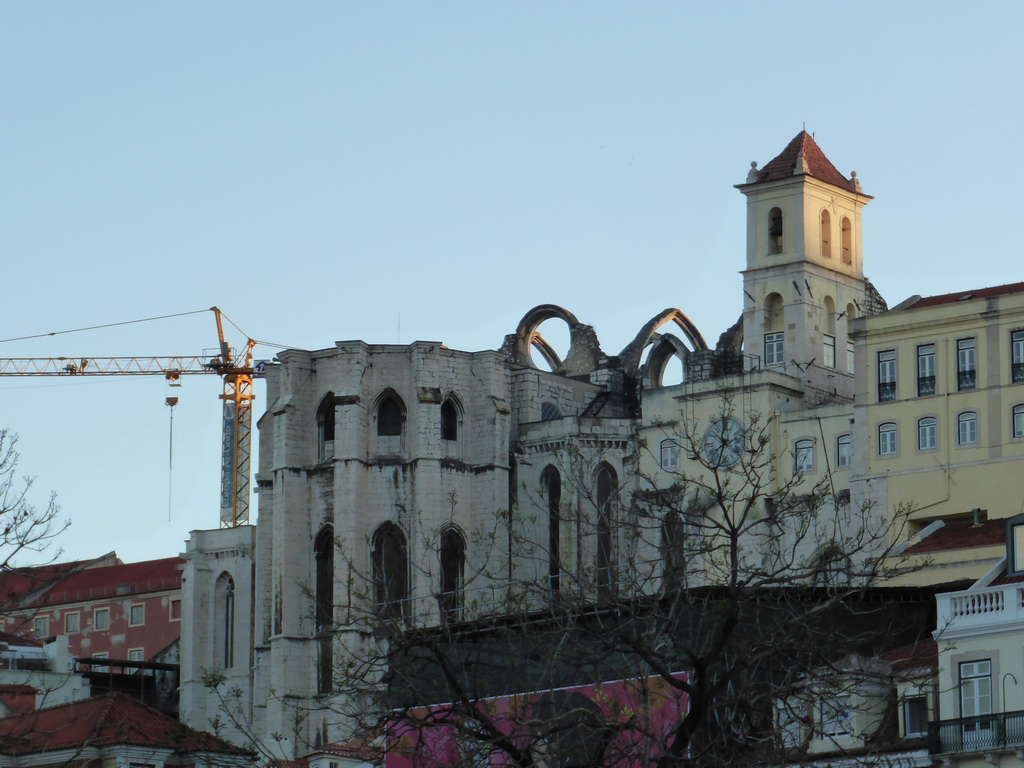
<point>855,181</point>
<point>752,173</point>
<point>801,165</point>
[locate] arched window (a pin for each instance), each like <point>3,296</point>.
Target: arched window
<point>967,428</point>
<point>224,627</point>
<point>325,427</point>
<point>887,439</point>
<point>449,420</point>
<point>453,566</point>
<point>846,241</point>
<point>323,556</point>
<point>927,433</point>
<point>669,454</point>
<point>804,456</point>
<point>549,412</point>
<point>832,567</point>
<point>390,572</point>
<point>775,231</point>
<point>844,451</point>
<point>826,235</point>
<point>606,482</point>
<point>390,418</point>
<point>551,485</point>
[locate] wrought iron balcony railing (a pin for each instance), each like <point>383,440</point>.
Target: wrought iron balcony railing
<point>925,386</point>
<point>983,733</point>
<point>966,380</point>
<point>886,391</point>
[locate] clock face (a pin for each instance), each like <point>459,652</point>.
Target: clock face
<point>723,442</point>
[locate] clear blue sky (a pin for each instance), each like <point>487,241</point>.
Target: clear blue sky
<point>399,171</point>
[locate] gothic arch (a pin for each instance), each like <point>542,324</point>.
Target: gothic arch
<point>633,351</point>
<point>452,556</point>
<point>666,347</point>
<point>224,621</point>
<point>390,566</point>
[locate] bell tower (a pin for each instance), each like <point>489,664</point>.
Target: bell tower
<point>804,278</point>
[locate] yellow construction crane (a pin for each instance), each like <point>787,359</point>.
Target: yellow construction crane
<point>237,371</point>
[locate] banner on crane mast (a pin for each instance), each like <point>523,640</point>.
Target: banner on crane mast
<point>227,466</point>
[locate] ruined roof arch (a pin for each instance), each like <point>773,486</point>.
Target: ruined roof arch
<point>631,354</point>
<point>584,349</point>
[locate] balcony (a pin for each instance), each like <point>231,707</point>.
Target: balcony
<point>925,386</point>
<point>886,391</point>
<point>1018,372</point>
<point>985,733</point>
<point>975,611</point>
<point>966,380</point>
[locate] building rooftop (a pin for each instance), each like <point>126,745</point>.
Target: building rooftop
<point>127,578</point>
<point>978,293</point>
<point>961,534</point>
<point>820,167</point>
<point>103,721</point>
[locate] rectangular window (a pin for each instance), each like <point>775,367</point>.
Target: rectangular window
<point>136,654</point>
<point>100,667</point>
<point>1017,355</point>
<point>773,354</point>
<point>976,702</point>
<point>966,372</point>
<point>41,626</point>
<point>886,375</point>
<point>175,609</point>
<point>1017,538</point>
<point>849,356</point>
<point>915,716</point>
<point>72,623</point>
<point>137,615</point>
<point>844,451</point>
<point>925,370</point>
<point>835,715</point>
<point>1018,421</point>
<point>101,618</point>
<point>830,351</point>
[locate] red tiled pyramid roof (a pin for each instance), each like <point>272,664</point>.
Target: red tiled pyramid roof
<point>103,721</point>
<point>818,166</point>
<point>923,653</point>
<point>980,293</point>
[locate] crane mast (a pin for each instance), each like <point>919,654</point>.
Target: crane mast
<point>237,374</point>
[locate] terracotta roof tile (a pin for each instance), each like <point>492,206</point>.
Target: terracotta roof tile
<point>92,583</point>
<point>923,653</point>
<point>961,535</point>
<point>818,166</point>
<point>101,721</point>
<point>979,293</point>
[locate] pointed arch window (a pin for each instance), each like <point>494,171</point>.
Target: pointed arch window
<point>325,427</point>
<point>606,482</point>
<point>453,570</point>
<point>390,572</point>
<point>390,418</point>
<point>323,557</point>
<point>450,419</point>
<point>224,628</point>
<point>551,485</point>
